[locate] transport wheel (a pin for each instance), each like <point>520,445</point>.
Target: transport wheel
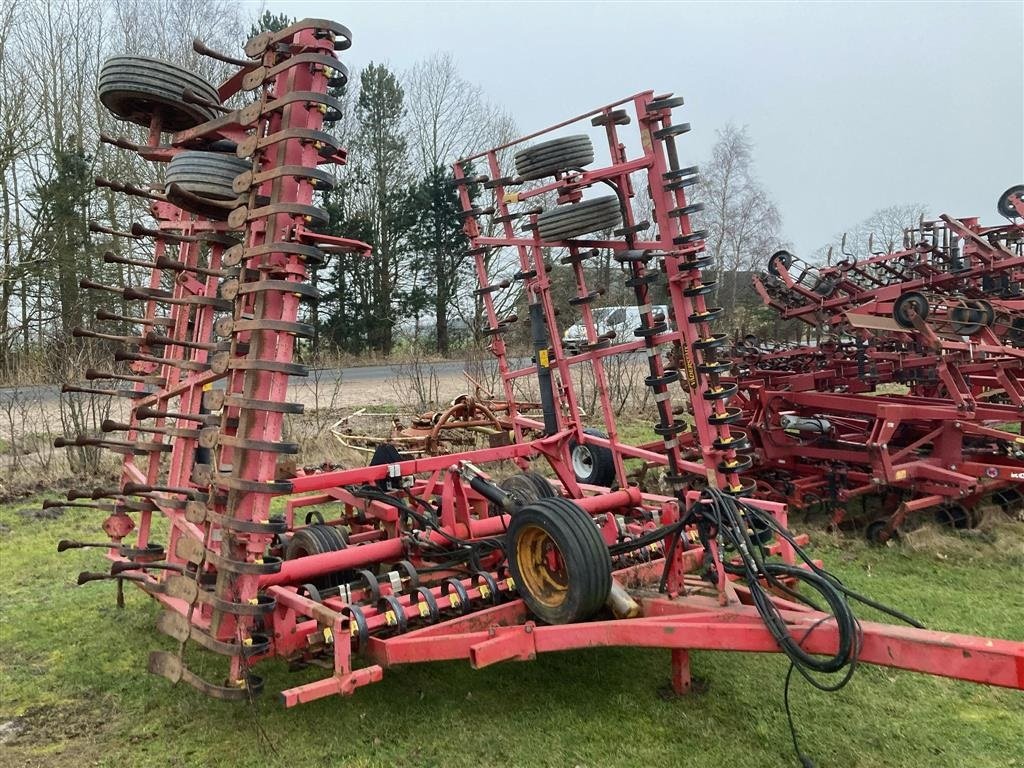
<point>592,464</point>
<point>559,561</point>
<point>554,156</point>
<point>206,174</point>
<point>314,540</point>
<point>567,221</point>
<point>785,257</point>
<point>902,305</point>
<point>1004,206</point>
<point>136,88</point>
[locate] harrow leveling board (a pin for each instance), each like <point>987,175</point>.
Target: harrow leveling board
<point>421,559</point>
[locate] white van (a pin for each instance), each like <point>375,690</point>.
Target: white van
<point>622,320</point>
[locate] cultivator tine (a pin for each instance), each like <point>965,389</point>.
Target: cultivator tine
<point>59,504</point>
<point>65,544</point>
<point>102,314</point>
<point>138,230</point>
<point>191,97</point>
<point>204,50</point>
<point>165,262</point>
<point>123,143</point>
<point>121,566</point>
<point>140,488</point>
<point>171,667</point>
<point>129,189</point>
<point>87,576</point>
<point>118,446</point>
<point>128,393</point>
<point>97,228</point>
<point>92,285</point>
<point>91,374</point>
<point>85,333</point>
<point>184,365</point>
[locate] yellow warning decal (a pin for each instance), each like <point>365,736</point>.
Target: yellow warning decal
<point>542,358</point>
<point>510,197</point>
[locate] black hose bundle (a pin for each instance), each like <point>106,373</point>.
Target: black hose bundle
<point>736,525</point>
<point>461,550</point>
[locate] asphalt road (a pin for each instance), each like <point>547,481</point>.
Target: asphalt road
<point>365,374</point>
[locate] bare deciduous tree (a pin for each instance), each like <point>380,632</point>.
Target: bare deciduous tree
<point>881,232</point>
<point>741,219</point>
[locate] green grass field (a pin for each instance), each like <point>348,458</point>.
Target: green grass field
<point>74,690</point>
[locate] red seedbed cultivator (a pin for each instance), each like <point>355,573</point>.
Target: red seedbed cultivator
<point>941,318</point>
<point>421,559</point>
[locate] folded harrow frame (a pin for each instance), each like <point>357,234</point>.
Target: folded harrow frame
<point>421,559</point>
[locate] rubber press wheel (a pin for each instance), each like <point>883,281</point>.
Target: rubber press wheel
<point>206,174</point>
<point>568,221</point>
<point>136,88</point>
<point>559,561</point>
<point>592,464</point>
<point>554,156</point>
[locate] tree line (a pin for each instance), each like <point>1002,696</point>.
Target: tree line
<point>404,130</point>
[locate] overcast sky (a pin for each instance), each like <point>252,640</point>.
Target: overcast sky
<point>851,106</point>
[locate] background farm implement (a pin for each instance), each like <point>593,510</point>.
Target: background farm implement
<point>427,557</point>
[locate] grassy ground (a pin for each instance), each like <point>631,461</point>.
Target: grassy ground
<point>74,690</point>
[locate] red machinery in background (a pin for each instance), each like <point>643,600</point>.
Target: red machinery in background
<point>413,560</point>
<point>942,320</point>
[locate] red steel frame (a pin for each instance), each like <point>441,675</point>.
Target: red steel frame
<point>220,579</point>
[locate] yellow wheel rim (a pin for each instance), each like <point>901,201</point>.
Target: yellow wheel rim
<point>541,566</point>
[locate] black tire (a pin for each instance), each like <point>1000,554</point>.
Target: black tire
<point>554,156</point>
<point>527,488</point>
<point>909,299</point>
<point>967,320</point>
<point>314,540</point>
<point>136,88</point>
<point>568,221</point>
<point>582,581</point>
<point>544,488</point>
<point>1004,207</point>
<point>783,256</point>
<point>207,174</point>
<point>592,464</point>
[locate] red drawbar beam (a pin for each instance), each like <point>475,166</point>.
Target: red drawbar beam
<point>963,657</point>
